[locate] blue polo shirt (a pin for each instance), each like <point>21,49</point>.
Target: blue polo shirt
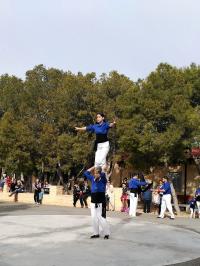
<point>99,128</point>
<point>99,185</point>
<point>197,192</point>
<point>135,183</point>
<point>192,203</point>
<point>167,188</point>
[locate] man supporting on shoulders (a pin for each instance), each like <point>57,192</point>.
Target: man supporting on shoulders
<point>98,201</point>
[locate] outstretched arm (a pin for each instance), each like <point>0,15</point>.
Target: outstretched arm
<point>113,123</point>
<point>80,128</point>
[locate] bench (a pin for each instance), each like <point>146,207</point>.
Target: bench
<point>186,207</point>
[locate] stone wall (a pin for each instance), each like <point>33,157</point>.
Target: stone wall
<point>55,197</point>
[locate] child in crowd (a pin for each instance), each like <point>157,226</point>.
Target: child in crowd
<point>124,198</point>
<point>156,201</point>
<point>110,197</point>
<point>192,203</point>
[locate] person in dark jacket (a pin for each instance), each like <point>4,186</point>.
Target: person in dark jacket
<point>37,186</point>
<point>192,203</point>
<point>77,195</point>
<point>197,198</point>
<point>147,198</point>
<point>86,192</point>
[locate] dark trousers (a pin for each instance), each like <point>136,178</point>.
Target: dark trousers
<point>84,200</point>
<point>159,207</point>
<point>36,196</point>
<point>76,198</point>
<point>103,210</point>
<point>147,205</point>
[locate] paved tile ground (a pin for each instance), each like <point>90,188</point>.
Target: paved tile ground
<point>58,236</point>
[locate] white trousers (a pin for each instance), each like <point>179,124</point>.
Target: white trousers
<point>112,201</point>
<point>166,204</point>
<point>133,204</point>
<point>101,154</point>
<point>192,213</point>
<point>198,207</point>
<point>99,222</point>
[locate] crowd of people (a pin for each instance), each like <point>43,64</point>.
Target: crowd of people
<point>154,198</point>
<point>81,192</point>
<point>16,185</point>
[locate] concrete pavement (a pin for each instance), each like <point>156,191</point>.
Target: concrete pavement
<point>58,236</point>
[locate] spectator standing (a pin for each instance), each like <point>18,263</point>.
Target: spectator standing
<point>8,182</point>
<point>197,197</point>
<point>77,195</point>
<point>192,203</point>
<point>37,189</point>
<point>2,182</point>
<point>166,199</point>
<point>124,198</point>
<point>135,188</point>
<point>86,192</point>
<point>161,195</point>
<point>156,201</point>
<point>110,196</point>
<point>147,198</point>
<point>12,185</point>
<point>46,187</point>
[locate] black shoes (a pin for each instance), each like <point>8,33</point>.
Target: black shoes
<point>97,236</point>
<point>94,236</point>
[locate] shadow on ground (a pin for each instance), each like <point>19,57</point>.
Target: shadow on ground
<point>8,208</point>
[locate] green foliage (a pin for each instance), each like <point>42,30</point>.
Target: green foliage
<point>157,118</point>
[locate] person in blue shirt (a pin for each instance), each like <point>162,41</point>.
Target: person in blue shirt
<point>197,197</point>
<point>192,203</point>
<point>166,198</point>
<point>134,187</point>
<point>102,146</point>
<point>98,201</point>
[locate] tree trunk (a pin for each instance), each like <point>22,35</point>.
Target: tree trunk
<point>175,199</point>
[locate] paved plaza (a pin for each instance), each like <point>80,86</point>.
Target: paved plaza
<point>58,236</point>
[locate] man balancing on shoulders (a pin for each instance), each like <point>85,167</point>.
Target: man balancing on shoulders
<point>98,201</point>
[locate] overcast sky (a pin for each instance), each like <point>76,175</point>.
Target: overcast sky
<point>130,36</point>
